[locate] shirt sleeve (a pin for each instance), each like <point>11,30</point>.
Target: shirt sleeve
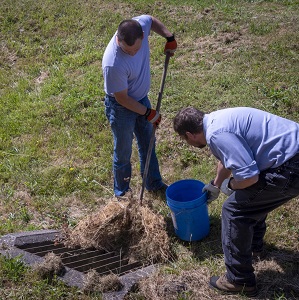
<point>115,80</point>
<point>146,23</point>
<point>235,154</point>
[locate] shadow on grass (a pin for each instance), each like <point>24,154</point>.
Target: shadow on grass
<point>208,246</point>
<point>277,273</point>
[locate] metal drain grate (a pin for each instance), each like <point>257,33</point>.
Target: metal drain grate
<point>83,260</point>
<point>32,246</point>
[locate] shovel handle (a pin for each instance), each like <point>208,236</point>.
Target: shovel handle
<point>152,140</point>
<point>163,81</point>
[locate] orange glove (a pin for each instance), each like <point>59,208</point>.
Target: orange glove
<point>153,116</point>
<point>170,45</point>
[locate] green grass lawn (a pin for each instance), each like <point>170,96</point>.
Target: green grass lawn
<point>55,141</point>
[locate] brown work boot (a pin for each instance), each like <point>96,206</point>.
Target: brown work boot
<point>221,284</point>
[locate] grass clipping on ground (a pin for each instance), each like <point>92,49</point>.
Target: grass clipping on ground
<point>107,283</point>
<point>135,230</point>
<point>50,266</point>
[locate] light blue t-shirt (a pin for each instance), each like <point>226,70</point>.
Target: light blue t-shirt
<point>248,141</point>
<point>122,71</point>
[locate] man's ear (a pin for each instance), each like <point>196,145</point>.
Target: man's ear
<point>188,135</point>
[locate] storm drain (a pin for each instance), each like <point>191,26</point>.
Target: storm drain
<point>33,246</point>
<point>84,260</point>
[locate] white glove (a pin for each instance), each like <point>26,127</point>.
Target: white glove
<point>213,191</point>
<point>224,187</point>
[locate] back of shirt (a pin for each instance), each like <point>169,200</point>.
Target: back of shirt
<point>122,71</point>
<point>248,140</point>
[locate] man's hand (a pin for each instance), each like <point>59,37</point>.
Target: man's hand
<point>153,116</point>
<point>213,191</point>
<point>170,45</point>
<point>225,187</point>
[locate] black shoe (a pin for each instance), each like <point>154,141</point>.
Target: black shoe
<point>221,284</point>
<point>161,191</point>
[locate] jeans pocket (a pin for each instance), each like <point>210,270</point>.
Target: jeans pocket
<point>291,187</point>
<point>267,181</point>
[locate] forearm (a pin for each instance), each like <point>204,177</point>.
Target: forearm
<point>128,102</point>
<point>222,173</point>
<point>159,28</point>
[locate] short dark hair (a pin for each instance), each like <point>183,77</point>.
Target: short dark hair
<point>188,119</point>
<point>129,31</point>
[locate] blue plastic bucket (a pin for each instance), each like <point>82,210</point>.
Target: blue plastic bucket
<point>189,209</point>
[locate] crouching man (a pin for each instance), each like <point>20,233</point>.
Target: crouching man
<point>258,170</point>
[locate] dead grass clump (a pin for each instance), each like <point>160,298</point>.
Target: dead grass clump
<point>101,229</point>
<point>51,265</point>
<point>94,282</point>
<point>149,239</point>
<point>135,230</point>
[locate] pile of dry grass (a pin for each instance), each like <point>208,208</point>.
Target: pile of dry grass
<point>133,229</point>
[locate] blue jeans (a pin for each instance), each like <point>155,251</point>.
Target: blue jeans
<point>244,216</point>
<point>125,124</point>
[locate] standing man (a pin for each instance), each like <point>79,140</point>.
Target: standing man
<point>258,170</point>
<point>126,70</point>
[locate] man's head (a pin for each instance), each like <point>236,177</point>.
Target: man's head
<point>188,123</point>
<point>129,36</point>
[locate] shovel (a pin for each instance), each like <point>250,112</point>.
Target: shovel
<point>152,140</point>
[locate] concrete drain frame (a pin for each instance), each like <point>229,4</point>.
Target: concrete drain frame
<point>32,246</point>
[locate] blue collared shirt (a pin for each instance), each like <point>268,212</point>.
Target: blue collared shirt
<point>248,141</point>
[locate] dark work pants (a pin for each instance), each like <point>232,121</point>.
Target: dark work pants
<point>244,214</point>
